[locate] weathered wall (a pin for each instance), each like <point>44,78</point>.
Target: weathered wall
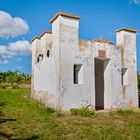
<point>44,73</point>
<point>52,78</point>
<point>73,51</point>
<point>35,45</point>
<point>107,60</point>
<point>126,46</point>
<point>45,76</point>
<point>73,95</point>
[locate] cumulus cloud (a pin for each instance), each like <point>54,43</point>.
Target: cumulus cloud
<point>4,61</point>
<point>12,26</point>
<point>18,48</point>
<point>135,1</point>
<point>5,53</point>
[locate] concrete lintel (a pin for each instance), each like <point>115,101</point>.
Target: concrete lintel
<point>102,58</point>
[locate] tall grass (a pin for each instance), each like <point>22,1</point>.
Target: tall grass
<point>22,118</point>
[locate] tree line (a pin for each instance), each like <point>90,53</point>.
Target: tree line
<point>14,79</point>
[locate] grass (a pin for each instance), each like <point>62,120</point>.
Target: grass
<point>22,118</point>
<point>83,111</point>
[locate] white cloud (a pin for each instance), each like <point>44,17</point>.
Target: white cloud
<point>12,26</point>
<point>18,48</point>
<point>5,53</point>
<point>4,61</point>
<point>135,1</point>
<point>19,67</point>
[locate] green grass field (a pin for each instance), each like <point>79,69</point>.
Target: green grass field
<point>22,118</point>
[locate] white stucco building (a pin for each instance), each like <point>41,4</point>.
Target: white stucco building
<point>69,73</point>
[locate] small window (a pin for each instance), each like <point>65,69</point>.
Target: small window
<point>48,53</point>
<point>39,58</point>
<point>78,74</point>
<point>124,77</point>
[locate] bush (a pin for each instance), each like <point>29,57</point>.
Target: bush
<point>14,79</point>
<point>57,113</point>
<point>84,111</point>
<point>50,110</point>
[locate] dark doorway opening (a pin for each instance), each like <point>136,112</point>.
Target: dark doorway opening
<point>101,64</point>
<point>99,84</point>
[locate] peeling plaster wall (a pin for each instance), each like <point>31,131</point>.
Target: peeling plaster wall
<point>116,78</point>
<point>84,52</point>
<point>73,95</point>
<point>107,70</point>
<point>125,57</point>
<point>52,78</point>
<point>44,75</point>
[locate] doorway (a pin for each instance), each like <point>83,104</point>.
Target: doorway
<point>99,84</point>
<point>101,77</point>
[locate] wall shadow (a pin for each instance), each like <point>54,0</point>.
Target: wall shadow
<point>2,104</point>
<point>7,136</point>
<point>2,115</point>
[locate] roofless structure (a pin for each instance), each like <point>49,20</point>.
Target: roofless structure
<point>70,73</point>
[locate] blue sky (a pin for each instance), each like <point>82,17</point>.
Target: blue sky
<point>98,18</point>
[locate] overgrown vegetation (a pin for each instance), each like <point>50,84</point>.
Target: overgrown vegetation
<point>22,118</point>
<point>84,111</point>
<point>14,79</point>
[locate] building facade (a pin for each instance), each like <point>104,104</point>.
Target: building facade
<point>70,73</point>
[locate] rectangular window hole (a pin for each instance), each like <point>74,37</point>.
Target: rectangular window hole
<point>124,76</point>
<point>78,74</point>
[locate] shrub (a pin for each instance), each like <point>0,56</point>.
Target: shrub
<point>50,110</point>
<point>84,111</point>
<point>14,79</point>
<point>58,113</point>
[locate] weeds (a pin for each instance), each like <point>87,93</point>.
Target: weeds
<point>50,110</point>
<point>84,111</point>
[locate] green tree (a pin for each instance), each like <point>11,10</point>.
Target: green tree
<point>14,79</point>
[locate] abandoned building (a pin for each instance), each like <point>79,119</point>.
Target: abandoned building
<point>70,73</point>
